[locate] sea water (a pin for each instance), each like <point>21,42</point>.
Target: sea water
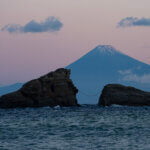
<point>75,128</point>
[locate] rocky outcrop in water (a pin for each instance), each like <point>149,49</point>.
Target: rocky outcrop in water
<point>123,95</point>
<point>52,89</point>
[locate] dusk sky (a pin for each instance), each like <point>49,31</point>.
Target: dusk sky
<point>38,36</point>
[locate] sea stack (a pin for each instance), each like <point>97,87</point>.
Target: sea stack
<point>52,89</point>
<point>123,95</point>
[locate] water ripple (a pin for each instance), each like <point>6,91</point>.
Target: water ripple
<point>85,128</point>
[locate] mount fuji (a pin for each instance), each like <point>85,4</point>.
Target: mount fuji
<point>102,65</point>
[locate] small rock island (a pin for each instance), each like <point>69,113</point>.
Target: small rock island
<point>123,95</point>
<point>52,89</point>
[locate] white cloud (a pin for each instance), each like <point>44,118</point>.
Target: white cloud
<point>124,72</point>
<point>128,75</point>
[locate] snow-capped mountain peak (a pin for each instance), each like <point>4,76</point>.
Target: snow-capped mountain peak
<point>104,65</point>
<point>106,49</point>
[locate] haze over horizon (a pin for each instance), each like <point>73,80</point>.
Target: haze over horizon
<point>37,37</point>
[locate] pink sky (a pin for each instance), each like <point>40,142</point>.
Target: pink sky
<point>86,24</point>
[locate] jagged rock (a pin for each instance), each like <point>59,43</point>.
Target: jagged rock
<point>123,95</point>
<point>52,89</point>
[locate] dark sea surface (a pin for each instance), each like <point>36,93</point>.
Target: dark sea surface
<point>85,128</point>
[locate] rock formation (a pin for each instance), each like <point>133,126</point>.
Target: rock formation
<point>52,89</point>
<point>123,95</point>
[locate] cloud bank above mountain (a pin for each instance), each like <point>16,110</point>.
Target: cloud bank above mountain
<point>51,24</point>
<point>134,21</point>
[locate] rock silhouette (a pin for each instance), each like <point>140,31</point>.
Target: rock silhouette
<point>52,89</point>
<point>123,95</point>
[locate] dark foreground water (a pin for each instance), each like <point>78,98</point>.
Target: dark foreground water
<point>84,128</point>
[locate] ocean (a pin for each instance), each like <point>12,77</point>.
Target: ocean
<point>75,128</point>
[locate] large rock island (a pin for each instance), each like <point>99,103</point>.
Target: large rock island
<point>123,95</point>
<point>52,89</point>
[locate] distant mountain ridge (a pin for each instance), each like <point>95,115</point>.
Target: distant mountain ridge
<point>103,65</point>
<point>10,88</point>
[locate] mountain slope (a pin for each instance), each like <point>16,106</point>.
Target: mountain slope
<point>104,65</point>
<point>10,88</point>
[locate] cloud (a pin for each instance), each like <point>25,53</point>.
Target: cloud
<point>128,75</point>
<point>124,72</point>
<point>134,21</point>
<point>51,24</point>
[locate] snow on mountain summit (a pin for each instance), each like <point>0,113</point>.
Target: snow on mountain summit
<point>106,49</point>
